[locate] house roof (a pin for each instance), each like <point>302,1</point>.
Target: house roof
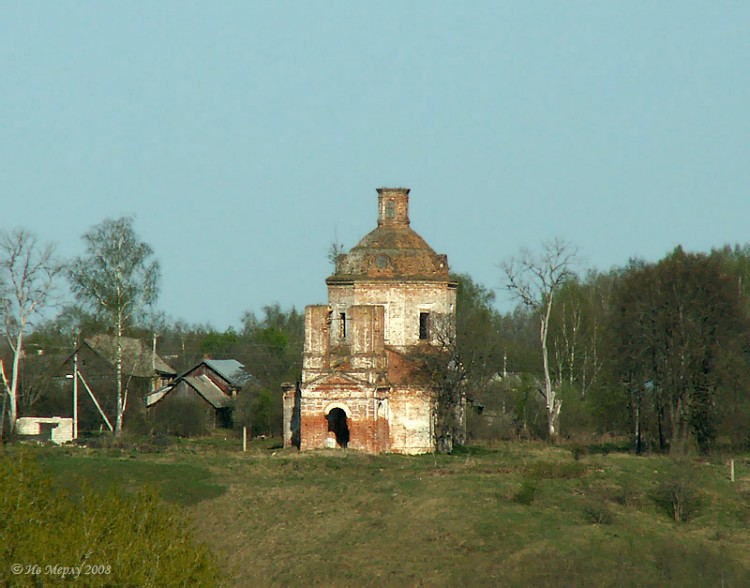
<point>137,359</point>
<point>203,385</point>
<point>210,391</point>
<point>231,370</point>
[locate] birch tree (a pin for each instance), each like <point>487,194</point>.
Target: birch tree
<point>576,331</point>
<point>534,279</point>
<point>27,279</point>
<point>118,279</point>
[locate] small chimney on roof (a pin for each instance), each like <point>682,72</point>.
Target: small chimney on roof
<point>393,206</point>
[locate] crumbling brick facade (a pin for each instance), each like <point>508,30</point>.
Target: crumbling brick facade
<point>390,295</point>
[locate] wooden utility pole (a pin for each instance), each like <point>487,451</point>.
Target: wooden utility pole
<point>75,392</point>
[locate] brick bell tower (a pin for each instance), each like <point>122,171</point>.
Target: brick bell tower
<point>393,207</point>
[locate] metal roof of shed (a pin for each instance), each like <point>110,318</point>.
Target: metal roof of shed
<point>229,369</point>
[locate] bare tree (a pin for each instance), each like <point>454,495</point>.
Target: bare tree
<point>27,278</point>
<point>440,366</point>
<point>118,279</point>
<point>534,279</point>
<point>462,358</point>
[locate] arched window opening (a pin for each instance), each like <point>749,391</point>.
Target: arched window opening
<point>338,426</point>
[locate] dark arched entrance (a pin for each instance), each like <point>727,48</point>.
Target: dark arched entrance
<point>338,426</point>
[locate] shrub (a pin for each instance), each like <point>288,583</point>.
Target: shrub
<point>115,539</point>
<point>490,426</point>
<point>628,494</point>
<point>578,450</point>
<point>256,410</point>
<point>575,418</point>
<point>526,494</point>
<point>678,497</point>
<point>597,511</point>
<point>262,413</point>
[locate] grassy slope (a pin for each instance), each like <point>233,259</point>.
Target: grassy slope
<point>515,515</point>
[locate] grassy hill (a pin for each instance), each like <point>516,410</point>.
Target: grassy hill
<point>518,514</point>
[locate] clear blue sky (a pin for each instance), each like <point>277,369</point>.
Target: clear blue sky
<point>245,135</point>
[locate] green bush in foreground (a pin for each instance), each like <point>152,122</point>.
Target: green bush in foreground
<point>47,536</point>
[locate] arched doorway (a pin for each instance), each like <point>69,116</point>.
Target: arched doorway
<point>337,424</point>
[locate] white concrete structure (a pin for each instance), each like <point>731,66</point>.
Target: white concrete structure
<point>59,430</point>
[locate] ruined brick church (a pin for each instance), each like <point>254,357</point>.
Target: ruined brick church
<point>390,296</point>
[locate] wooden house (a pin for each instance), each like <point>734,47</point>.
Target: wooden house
<point>199,399</point>
<point>96,357</point>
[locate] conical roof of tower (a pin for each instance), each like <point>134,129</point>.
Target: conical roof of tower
<point>393,250</point>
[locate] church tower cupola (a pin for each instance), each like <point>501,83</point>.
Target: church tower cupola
<point>393,207</point>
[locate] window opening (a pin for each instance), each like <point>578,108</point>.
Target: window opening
<point>342,325</point>
<point>390,209</point>
<point>424,325</point>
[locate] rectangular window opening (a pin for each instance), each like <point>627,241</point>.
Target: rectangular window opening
<point>424,325</point>
<point>342,325</point>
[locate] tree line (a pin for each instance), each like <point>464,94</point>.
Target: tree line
<point>654,351</point>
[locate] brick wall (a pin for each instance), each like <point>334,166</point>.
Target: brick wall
<point>402,302</point>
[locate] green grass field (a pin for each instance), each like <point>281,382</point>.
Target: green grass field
<point>518,514</point>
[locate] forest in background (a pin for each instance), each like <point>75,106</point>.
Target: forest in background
<point>653,351</point>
